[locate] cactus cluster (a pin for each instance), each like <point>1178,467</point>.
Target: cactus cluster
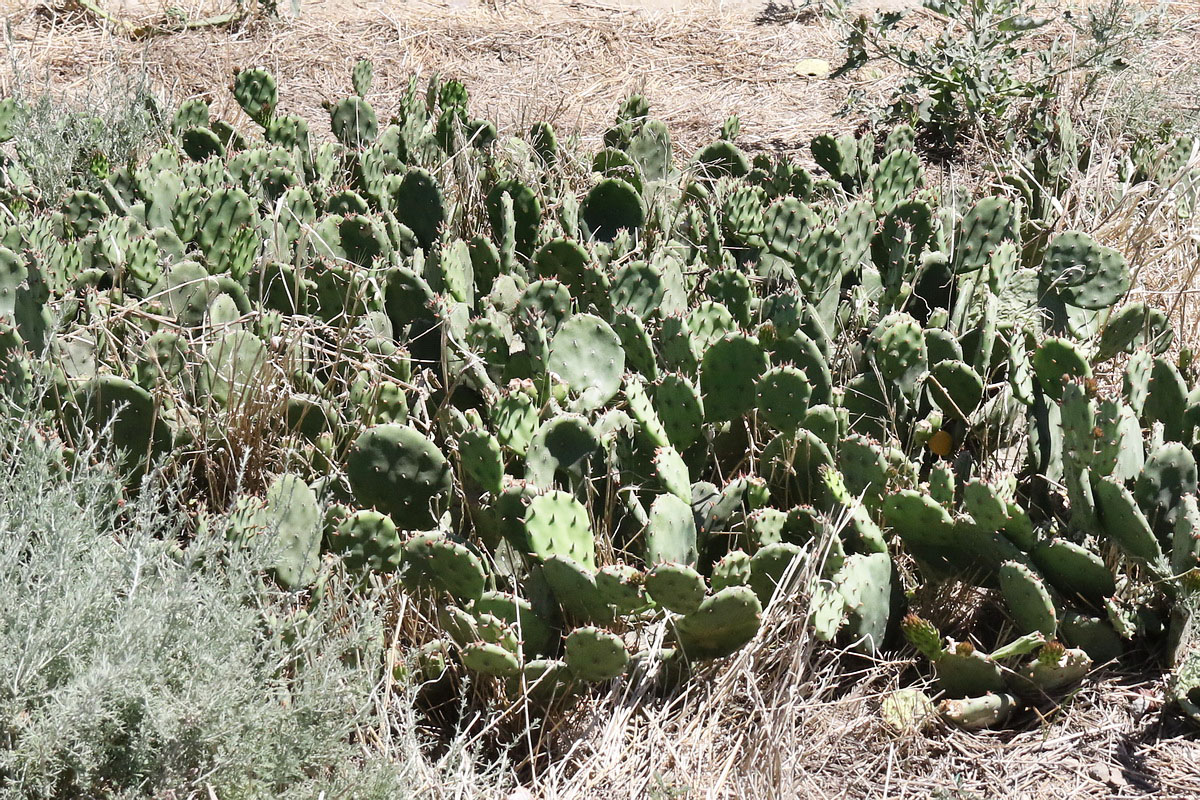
<point>590,418</point>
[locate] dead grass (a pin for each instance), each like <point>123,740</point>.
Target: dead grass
<point>785,719</point>
<point>569,64</point>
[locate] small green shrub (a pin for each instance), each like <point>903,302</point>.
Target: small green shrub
<point>988,60</point>
<point>66,142</point>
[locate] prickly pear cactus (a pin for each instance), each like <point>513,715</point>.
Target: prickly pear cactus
<point>572,415</point>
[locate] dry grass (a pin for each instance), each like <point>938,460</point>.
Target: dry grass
<point>568,64</point>
<point>780,721</point>
<point>786,719</point>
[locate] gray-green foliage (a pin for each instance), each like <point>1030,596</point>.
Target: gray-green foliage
<point>135,665</point>
<point>61,144</point>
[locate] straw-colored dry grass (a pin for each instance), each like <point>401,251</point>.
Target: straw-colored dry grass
<point>571,64</point>
<point>786,718</point>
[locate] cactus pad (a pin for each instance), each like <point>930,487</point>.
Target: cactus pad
<point>595,655</point>
<point>398,471</point>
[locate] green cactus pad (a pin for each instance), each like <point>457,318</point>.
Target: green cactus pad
<point>963,671</point>
<point>353,122</point>
<point>1055,668</point>
<point>782,397</point>
<point>515,415</point>
<point>900,351</point>
<point>1185,538</point>
<point>639,352</point>
<point>490,659</point>
<point>368,542</point>
<point>676,587</point>
<point>1057,360</point>
<point>732,570</point>
<point>1074,571</point>
<point>643,411</point>
<point>620,586</point>
<point>544,679</point>
<point>1027,599</point>
<point>976,713</point>
<point>671,532</point>
<point>534,633</point>
<point>986,224</point>
<point>588,355</point>
<point>1124,523</point>
<point>557,524</point>
<point>724,623</point>
<point>129,414</point>
<point>433,559</point>
<point>671,472</point>
<point>768,566</point>
<point>417,202</point>
<point>574,586</point>
<point>730,369</point>
<point>1133,326</point>
<point>398,471</point>
<point>481,458</point>
<point>563,446</point>
<point>955,388</point>
<point>595,655</point>
<point>257,94</point>
<point>1168,476</point>
<point>678,406</point>
<point>865,583</point>
<point>1084,273</point>
<point>638,287</point>
<point>612,205</point>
